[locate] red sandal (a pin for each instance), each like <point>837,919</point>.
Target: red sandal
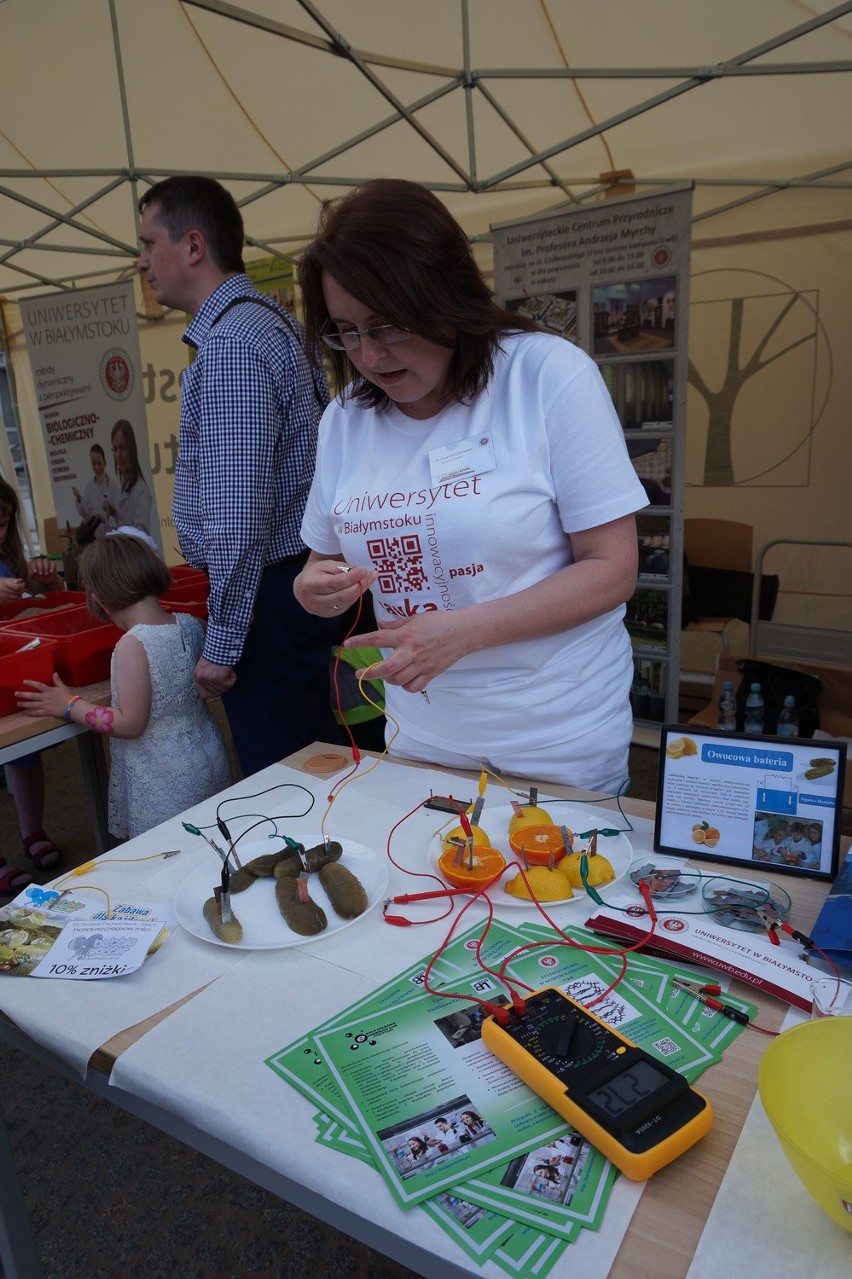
<point>13,879</point>
<point>44,858</point>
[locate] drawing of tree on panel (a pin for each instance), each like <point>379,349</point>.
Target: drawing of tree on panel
<point>762,333</point>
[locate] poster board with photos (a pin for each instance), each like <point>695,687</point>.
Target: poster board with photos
<point>751,801</point>
<point>613,278</point>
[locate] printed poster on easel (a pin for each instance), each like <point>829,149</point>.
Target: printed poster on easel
<point>84,354</point>
<point>760,801</point>
<point>614,279</point>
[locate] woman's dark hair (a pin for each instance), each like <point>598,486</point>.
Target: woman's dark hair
<point>187,203</point>
<point>11,547</point>
<point>396,248</point>
<point>129,437</point>
<point>121,570</point>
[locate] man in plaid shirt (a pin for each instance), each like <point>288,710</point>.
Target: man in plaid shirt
<point>250,406</point>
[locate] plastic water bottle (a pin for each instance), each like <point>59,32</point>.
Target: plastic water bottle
<point>788,718</point>
<point>754,711</point>
<point>727,708</point>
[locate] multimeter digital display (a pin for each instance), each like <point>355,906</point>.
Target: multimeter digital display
<point>636,1110</point>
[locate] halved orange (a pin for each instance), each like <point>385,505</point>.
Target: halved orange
<point>455,866</point>
<point>537,843</point>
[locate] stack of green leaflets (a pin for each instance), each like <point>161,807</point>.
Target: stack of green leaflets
<point>404,1083</point>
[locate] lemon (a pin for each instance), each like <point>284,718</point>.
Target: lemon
<point>600,870</point>
<point>547,885</point>
<point>480,839</point>
<point>530,815</point>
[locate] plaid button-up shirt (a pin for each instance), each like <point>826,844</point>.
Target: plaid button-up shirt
<point>250,406</point>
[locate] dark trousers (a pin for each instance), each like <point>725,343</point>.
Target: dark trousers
<point>280,701</point>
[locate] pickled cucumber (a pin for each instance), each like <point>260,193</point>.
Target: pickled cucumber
<point>231,933</point>
<point>302,914</point>
<point>240,880</point>
<point>323,855</point>
<point>265,866</point>
<point>345,891</point>
<point>820,770</point>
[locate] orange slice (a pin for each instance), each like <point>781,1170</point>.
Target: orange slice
<point>487,865</point>
<point>536,843</point>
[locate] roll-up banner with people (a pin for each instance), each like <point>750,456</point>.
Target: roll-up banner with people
<point>614,279</point>
<point>84,353</point>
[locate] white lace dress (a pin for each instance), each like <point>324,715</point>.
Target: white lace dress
<point>181,758</point>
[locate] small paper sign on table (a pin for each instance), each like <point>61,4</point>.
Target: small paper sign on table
<point>97,948</point>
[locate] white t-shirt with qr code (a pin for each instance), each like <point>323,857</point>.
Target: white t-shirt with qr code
<point>561,466</point>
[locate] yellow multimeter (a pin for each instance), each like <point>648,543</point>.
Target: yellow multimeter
<point>633,1108</point>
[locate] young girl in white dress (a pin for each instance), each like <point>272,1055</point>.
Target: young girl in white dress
<point>166,751</point>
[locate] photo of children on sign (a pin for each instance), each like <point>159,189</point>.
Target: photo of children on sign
<point>785,842</point>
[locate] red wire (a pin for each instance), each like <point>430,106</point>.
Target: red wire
<point>418,874</point>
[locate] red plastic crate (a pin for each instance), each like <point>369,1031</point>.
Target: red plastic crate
<point>198,608</point>
<point>15,667</point>
<point>183,573</point>
<point>83,644</point>
<point>186,590</point>
<point>12,610</point>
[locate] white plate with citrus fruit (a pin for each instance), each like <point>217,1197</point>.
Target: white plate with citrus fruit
<point>493,833</point>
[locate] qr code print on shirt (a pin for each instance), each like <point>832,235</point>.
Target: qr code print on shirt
<point>665,1047</point>
<point>398,561</point>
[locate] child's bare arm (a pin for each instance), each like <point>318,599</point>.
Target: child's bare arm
<point>133,686</point>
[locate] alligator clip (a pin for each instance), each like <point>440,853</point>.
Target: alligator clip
<point>770,924</point>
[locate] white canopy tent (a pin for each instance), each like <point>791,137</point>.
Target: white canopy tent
<point>507,108</point>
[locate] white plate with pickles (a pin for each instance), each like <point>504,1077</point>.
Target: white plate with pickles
<point>263,925</point>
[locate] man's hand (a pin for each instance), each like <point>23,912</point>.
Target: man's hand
<point>212,680</point>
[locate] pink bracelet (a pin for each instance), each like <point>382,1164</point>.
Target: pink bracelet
<point>71,701</point>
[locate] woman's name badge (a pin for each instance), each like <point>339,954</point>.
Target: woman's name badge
<point>473,456</point>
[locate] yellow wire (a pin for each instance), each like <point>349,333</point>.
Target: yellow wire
<point>81,870</point>
<point>94,888</point>
<point>359,774</point>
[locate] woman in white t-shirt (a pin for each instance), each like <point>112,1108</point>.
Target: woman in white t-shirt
<point>473,473</point>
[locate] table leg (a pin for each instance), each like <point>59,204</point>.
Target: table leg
<point>17,1249</point>
<point>91,749</point>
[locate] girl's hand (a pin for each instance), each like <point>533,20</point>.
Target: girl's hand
<point>11,588</point>
<point>47,699</point>
<point>328,586</point>
<point>423,646</point>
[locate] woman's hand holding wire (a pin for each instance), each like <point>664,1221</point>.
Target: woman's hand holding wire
<point>328,586</point>
<point>423,646</point>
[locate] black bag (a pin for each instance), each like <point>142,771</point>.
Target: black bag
<point>775,683</point>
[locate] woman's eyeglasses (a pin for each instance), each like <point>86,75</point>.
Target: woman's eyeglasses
<point>349,339</point>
